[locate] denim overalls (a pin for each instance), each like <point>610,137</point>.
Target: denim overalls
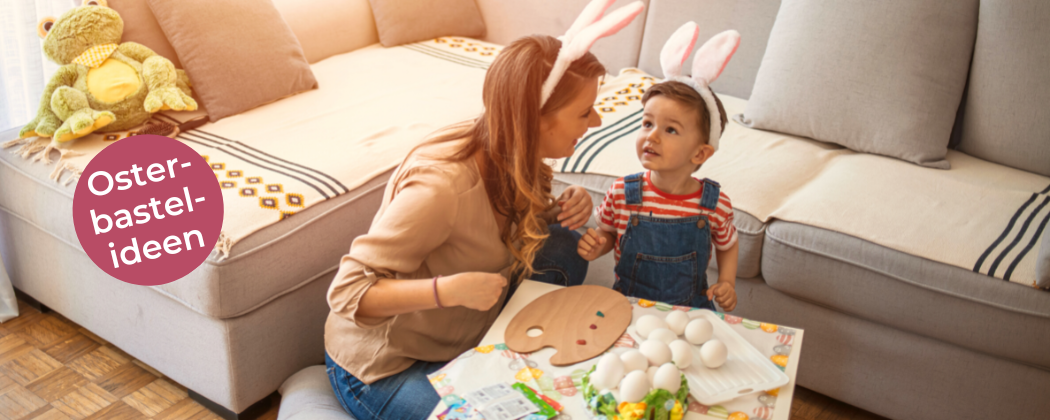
<point>665,260</point>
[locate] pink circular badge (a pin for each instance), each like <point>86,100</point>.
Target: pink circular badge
<point>148,210</point>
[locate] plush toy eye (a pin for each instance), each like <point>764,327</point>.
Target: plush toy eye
<point>45,26</point>
<point>102,3</point>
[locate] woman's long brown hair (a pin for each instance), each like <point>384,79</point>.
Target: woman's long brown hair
<point>507,136</point>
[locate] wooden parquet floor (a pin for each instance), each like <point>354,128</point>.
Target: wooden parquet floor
<point>53,369</point>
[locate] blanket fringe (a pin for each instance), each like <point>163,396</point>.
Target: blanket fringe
<point>38,149</point>
<point>223,246</point>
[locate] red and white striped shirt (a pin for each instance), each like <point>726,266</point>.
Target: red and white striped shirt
<point>613,214</point>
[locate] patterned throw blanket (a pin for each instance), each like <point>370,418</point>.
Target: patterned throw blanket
<point>373,105</point>
<point>978,215</point>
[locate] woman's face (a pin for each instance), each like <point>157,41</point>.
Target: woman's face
<point>561,129</point>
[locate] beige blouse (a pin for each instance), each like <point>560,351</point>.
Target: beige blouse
<point>436,218</point>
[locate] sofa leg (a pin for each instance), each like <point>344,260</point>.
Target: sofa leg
<point>33,303</point>
<point>252,412</point>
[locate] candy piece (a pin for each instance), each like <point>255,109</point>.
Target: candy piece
<point>594,327</point>
<point>581,342</point>
<point>600,314</point>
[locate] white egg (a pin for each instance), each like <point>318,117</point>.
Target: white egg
<point>681,353</point>
<point>634,360</point>
<point>611,369</point>
<point>668,377</point>
<point>656,352</point>
<point>676,321</point>
<point>648,323</point>
<point>634,387</point>
<point>698,331</point>
<point>713,353</point>
<point>663,334</point>
<point>600,379</point>
<point>651,373</point>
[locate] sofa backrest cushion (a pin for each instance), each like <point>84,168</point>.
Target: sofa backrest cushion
<point>883,77</point>
<point>405,21</point>
<point>508,20</point>
<point>1007,111</point>
<point>140,26</point>
<point>752,18</point>
<point>239,54</point>
<point>329,27</point>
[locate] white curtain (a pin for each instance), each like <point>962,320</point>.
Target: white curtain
<point>24,71</point>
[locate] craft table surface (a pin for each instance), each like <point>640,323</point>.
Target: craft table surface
<point>530,290</point>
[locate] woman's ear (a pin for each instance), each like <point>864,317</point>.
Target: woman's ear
<point>702,155</point>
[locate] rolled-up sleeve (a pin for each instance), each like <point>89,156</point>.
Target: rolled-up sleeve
<point>417,220</point>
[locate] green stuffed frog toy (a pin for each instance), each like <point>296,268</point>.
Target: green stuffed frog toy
<point>103,85</point>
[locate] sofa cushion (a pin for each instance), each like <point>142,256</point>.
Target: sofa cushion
<point>140,26</point>
<point>507,21</point>
<point>752,18</point>
<point>264,266</point>
<point>881,77</point>
<point>903,291</point>
<point>238,54</point>
<point>404,21</point>
<point>328,27</point>
<point>750,231</point>
<point>308,395</point>
<point>1005,118</point>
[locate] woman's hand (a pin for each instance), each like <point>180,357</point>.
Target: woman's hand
<point>576,206</point>
<point>479,291</point>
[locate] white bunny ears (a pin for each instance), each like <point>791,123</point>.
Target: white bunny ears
<point>588,28</point>
<point>708,64</point>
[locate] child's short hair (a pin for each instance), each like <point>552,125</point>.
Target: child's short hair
<point>685,94</point>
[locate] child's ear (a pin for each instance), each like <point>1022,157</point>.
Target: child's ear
<point>703,154</point>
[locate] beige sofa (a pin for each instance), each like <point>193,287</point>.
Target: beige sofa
<point>234,329</point>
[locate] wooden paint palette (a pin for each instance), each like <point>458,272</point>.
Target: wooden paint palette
<point>580,322</point>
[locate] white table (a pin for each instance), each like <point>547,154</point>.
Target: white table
<point>530,290</point>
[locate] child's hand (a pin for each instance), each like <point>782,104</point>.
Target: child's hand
<point>724,294</point>
<point>591,245</point>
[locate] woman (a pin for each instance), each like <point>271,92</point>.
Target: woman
<point>460,214</point>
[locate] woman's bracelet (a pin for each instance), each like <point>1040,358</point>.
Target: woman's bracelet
<point>436,298</point>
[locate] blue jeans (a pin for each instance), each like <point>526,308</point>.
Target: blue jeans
<point>409,395</point>
<point>558,262</point>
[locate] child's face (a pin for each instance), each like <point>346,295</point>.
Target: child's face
<point>561,129</point>
<point>670,139</point>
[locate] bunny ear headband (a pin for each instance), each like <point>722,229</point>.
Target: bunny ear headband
<point>588,28</point>
<point>708,64</point>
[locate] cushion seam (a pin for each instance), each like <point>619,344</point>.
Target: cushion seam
<point>904,280</point>
<point>169,294</point>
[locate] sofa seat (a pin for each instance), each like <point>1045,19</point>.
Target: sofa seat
<point>910,293</point>
<point>266,265</point>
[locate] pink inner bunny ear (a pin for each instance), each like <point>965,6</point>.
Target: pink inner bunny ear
<point>590,14</point>
<point>677,49</point>
<point>713,56</point>
<point>608,25</point>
